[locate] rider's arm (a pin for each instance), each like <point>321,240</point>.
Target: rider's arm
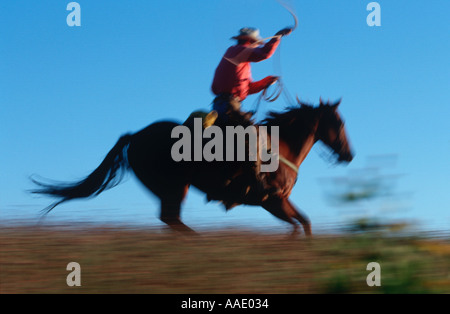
<point>256,87</point>
<point>264,52</point>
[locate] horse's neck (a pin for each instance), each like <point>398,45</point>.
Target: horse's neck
<point>287,151</point>
<point>296,149</point>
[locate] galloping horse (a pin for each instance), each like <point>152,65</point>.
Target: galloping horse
<point>148,154</point>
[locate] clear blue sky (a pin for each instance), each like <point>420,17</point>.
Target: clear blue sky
<point>68,93</point>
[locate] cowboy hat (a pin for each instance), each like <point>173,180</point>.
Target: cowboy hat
<point>249,33</point>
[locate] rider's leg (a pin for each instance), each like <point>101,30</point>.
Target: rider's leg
<point>230,113</point>
<point>256,183</point>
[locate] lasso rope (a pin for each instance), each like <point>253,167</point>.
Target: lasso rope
<point>269,97</point>
<point>288,98</point>
<point>287,7</point>
<point>279,87</point>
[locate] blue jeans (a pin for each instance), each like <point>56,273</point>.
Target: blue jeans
<point>226,104</point>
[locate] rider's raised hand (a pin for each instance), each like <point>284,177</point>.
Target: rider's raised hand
<point>284,32</point>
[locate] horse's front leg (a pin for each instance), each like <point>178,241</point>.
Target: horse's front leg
<point>297,214</point>
<point>280,209</point>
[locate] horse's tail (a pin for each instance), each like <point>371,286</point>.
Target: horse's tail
<point>107,175</point>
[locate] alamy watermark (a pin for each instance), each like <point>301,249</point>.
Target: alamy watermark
<point>374,17</point>
<point>74,17</point>
<point>374,277</point>
<point>74,277</point>
<point>250,143</point>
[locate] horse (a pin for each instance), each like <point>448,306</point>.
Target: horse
<point>148,154</point>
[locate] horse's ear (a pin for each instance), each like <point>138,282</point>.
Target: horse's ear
<point>299,102</point>
<point>321,101</point>
<point>337,103</point>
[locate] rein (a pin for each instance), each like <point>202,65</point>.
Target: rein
<point>288,163</point>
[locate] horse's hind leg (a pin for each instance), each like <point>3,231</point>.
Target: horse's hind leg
<point>171,197</point>
<point>171,208</point>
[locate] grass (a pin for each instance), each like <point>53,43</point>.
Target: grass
<point>115,260</point>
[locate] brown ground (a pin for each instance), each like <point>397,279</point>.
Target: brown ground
<point>114,260</point>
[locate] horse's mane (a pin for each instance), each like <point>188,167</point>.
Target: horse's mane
<point>302,112</point>
<point>293,122</point>
<point>285,118</point>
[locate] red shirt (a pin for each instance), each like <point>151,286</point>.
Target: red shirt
<point>233,74</point>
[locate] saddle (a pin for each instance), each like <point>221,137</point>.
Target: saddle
<point>240,182</point>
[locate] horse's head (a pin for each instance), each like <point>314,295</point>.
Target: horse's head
<point>323,123</point>
<point>331,131</point>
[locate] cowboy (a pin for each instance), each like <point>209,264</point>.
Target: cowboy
<point>233,81</point>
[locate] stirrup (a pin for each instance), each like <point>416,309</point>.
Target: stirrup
<point>210,119</point>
